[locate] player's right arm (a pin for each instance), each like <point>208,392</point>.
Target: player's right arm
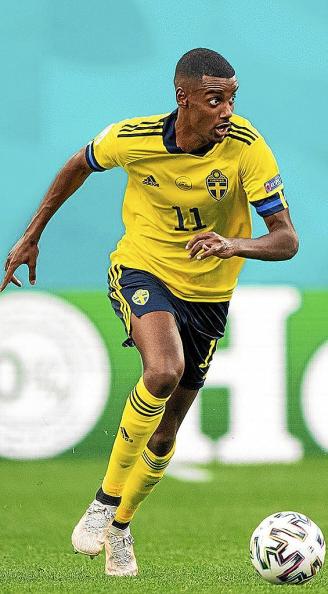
<point>25,251</point>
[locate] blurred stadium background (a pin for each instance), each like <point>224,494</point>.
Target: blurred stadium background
<point>70,69</point>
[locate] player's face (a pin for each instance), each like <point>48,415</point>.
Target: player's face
<point>210,104</point>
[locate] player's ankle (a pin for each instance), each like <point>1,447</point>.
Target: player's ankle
<point>120,525</point>
<point>106,499</point>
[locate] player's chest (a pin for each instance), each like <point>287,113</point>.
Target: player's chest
<point>184,180</point>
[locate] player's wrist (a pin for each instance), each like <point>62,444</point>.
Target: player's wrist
<point>30,238</point>
<point>236,246</point>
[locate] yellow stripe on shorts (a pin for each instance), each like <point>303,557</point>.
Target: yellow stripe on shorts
<point>209,354</point>
<point>115,274</point>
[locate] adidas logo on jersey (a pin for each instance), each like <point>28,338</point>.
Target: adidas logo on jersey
<point>150,181</point>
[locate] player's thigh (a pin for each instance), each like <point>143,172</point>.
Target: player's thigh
<point>203,326</point>
<point>157,338</point>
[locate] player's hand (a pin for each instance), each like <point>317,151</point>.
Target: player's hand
<point>208,244</point>
<point>24,251</point>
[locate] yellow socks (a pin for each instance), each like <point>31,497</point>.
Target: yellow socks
<point>141,416</point>
<point>146,473</point>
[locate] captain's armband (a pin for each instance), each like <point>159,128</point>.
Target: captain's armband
<point>91,159</point>
<point>270,205</point>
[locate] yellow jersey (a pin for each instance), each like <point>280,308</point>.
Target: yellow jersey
<point>171,196</point>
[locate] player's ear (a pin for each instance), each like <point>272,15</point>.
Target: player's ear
<point>181,97</point>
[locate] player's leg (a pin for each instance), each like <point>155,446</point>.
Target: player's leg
<point>157,339</point>
<point>146,473</point>
<point>200,327</point>
<point>154,460</point>
<point>163,439</point>
<point>200,330</point>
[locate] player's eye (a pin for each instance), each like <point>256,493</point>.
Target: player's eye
<point>215,101</point>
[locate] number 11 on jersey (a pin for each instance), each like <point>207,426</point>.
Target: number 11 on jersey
<point>198,222</point>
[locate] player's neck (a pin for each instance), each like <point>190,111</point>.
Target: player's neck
<point>185,138</point>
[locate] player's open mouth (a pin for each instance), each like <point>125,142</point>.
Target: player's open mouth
<point>223,129</point>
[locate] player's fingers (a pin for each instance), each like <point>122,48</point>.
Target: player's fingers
<point>32,274</point>
<point>8,277</point>
<point>207,253</point>
<point>199,237</point>
<point>16,281</point>
<point>220,249</point>
<point>199,246</point>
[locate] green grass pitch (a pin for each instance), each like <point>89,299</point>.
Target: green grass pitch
<point>190,537</point>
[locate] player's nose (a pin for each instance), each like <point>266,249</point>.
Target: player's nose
<point>227,110</point>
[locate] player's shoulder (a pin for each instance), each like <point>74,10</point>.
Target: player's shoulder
<point>144,119</point>
<point>242,131</point>
<point>140,125</point>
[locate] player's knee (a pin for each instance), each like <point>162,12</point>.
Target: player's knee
<point>163,377</point>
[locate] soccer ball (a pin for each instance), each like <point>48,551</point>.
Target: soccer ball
<point>287,548</point>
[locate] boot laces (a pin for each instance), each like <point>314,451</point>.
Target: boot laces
<point>121,549</point>
<point>97,517</point>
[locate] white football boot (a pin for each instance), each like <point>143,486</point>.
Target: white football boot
<point>88,536</point>
<point>120,559</point>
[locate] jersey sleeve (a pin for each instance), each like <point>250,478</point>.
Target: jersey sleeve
<point>102,152</point>
<point>261,179</point>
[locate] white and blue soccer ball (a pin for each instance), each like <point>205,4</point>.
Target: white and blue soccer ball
<point>287,548</point>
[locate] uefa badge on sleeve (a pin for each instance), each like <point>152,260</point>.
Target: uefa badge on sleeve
<point>273,183</point>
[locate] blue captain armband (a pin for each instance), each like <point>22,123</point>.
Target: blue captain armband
<point>91,159</point>
<point>270,205</point>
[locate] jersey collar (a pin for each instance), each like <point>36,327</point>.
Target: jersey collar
<point>169,139</point>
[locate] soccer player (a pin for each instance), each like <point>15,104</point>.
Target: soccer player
<point>192,175</point>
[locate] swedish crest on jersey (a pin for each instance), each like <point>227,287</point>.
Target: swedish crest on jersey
<point>140,297</point>
<point>217,184</point>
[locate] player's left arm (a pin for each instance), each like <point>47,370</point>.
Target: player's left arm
<point>281,243</point>
<point>264,189</point>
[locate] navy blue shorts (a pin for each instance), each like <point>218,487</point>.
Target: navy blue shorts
<point>200,324</point>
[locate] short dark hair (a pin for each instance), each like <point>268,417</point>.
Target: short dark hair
<point>201,62</point>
